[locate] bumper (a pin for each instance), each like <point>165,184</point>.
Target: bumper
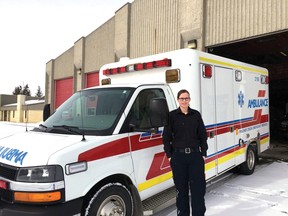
<point>66,209</point>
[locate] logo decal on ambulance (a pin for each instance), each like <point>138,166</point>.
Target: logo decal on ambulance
<point>241,99</point>
<point>259,102</point>
<point>11,154</point>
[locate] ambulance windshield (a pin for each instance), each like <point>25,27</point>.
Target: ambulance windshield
<point>91,111</point>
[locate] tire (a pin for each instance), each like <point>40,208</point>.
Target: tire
<point>248,167</point>
<point>111,199</point>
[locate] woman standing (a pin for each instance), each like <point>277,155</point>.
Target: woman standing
<point>185,145</point>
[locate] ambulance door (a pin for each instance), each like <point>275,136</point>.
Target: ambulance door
<point>209,117</point>
<point>151,166</point>
<point>224,109</point>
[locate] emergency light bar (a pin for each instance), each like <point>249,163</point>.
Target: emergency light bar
<point>139,66</point>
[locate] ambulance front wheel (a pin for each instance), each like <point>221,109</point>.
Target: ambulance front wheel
<point>113,199</point>
<point>248,167</point>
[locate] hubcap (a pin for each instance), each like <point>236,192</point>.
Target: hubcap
<point>112,206</point>
<point>251,160</point>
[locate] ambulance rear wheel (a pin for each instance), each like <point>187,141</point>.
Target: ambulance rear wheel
<point>111,200</point>
<point>248,167</point>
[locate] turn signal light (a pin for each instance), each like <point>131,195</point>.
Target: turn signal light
<point>172,76</point>
<point>106,81</point>
<point>37,197</point>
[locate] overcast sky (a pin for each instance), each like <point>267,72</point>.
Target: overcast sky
<point>35,31</point>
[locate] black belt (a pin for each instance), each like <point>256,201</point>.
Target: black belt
<point>186,150</point>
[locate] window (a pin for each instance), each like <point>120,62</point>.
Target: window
<point>139,114</point>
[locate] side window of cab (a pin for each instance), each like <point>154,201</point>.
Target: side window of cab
<point>138,117</point>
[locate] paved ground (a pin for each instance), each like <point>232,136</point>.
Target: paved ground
<point>278,150</point>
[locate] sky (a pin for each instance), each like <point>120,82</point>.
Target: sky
<point>35,31</point>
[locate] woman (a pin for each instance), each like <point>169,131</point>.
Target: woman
<point>185,145</point>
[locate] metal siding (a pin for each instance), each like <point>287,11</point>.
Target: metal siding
<point>99,46</point>
<point>154,27</point>
<point>229,20</point>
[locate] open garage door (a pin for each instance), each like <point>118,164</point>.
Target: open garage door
<point>271,52</point>
<point>63,90</point>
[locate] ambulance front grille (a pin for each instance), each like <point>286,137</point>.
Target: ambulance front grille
<point>8,172</point>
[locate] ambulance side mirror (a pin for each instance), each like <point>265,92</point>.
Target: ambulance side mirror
<point>159,112</point>
<point>46,112</point>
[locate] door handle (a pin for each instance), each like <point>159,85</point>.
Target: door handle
<point>211,134</point>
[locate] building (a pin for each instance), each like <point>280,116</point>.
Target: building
<point>21,108</point>
<point>253,31</point>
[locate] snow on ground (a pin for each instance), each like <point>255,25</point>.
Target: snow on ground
<point>265,193</point>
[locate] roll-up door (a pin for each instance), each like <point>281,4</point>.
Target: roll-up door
<point>63,90</point>
<point>92,79</point>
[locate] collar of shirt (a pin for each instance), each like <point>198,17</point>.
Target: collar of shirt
<point>190,111</point>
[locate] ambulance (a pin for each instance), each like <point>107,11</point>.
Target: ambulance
<point>101,152</point>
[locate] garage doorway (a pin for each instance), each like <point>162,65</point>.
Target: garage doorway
<point>269,51</point>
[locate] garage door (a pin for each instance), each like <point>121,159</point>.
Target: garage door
<point>63,90</point>
<point>92,79</point>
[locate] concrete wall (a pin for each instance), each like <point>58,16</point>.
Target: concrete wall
<point>122,21</point>
<point>64,65</point>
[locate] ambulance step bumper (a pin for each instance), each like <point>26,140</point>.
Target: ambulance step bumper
<point>159,202</point>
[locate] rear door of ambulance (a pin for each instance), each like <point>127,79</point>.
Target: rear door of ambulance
<point>218,115</point>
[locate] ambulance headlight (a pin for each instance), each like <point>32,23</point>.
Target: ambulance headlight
<point>40,174</point>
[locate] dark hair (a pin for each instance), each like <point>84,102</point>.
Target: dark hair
<point>181,92</point>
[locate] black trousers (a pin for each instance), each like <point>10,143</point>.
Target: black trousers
<point>189,173</point>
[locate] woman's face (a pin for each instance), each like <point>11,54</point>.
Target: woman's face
<point>184,100</point>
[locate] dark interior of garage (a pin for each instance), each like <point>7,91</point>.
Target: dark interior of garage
<point>269,51</point>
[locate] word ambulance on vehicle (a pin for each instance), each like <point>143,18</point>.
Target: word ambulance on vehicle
<point>101,151</point>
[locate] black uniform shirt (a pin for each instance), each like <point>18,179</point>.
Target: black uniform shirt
<point>185,131</point>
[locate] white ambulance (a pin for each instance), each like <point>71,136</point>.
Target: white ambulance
<point>101,152</point>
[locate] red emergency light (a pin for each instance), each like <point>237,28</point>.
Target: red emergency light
<point>207,71</point>
<point>139,66</point>
<point>114,70</point>
<point>122,69</point>
<point>106,71</point>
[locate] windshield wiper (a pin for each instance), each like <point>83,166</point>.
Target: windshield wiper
<point>40,128</point>
<point>71,129</point>
<point>41,125</point>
